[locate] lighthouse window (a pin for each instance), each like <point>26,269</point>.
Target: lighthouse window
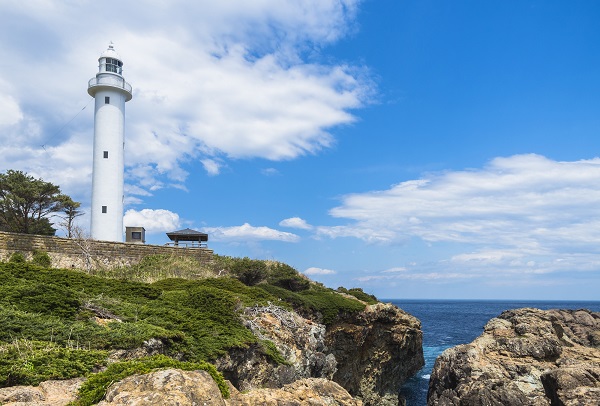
<point>105,154</point>
<point>114,65</point>
<point>103,209</point>
<point>106,100</point>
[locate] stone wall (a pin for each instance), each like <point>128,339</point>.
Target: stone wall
<point>87,253</point>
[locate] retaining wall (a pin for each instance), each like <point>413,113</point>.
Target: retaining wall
<point>89,254</point>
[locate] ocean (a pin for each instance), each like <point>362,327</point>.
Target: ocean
<point>447,323</point>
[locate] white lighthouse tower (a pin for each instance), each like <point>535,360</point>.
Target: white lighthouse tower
<point>111,91</point>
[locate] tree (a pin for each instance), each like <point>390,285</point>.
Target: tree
<point>26,203</point>
<point>71,211</point>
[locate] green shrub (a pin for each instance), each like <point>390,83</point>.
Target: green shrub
<point>24,362</point>
<point>17,258</point>
<point>287,277</point>
<point>293,283</point>
<point>249,271</point>
<point>94,389</point>
<point>359,294</point>
<point>41,258</point>
<point>36,297</point>
<point>272,352</point>
<point>330,303</point>
<point>316,301</point>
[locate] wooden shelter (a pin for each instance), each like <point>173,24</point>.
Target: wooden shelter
<point>195,238</point>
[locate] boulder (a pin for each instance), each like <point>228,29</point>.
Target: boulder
<point>49,393</point>
<point>194,388</point>
<point>166,387</point>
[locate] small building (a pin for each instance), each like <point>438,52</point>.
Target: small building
<point>191,238</point>
<point>135,235</point>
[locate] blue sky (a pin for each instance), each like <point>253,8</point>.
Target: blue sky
<point>417,149</point>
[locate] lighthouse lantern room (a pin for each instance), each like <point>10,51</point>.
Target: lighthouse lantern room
<point>110,91</point>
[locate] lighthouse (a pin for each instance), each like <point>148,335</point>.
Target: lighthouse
<point>111,92</point>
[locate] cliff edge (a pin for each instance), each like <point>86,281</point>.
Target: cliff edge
<point>369,353</point>
<point>524,357</point>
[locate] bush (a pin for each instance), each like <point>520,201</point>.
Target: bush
<point>286,277</point>
<point>249,271</point>
<point>293,283</point>
<point>41,258</point>
<point>25,362</point>
<point>17,258</point>
<point>35,297</point>
<point>359,294</point>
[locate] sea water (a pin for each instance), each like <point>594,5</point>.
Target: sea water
<point>447,323</point>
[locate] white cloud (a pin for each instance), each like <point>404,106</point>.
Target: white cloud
<point>269,172</point>
<point>211,166</point>
<point>248,233</point>
<point>212,80</point>
<point>295,222</point>
<point>10,113</point>
<point>395,270</point>
<point>154,221</point>
<point>529,208</point>
<point>319,271</point>
<point>429,276</point>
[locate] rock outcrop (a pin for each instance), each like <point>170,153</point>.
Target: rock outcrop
<point>49,393</point>
<point>193,388</point>
<point>299,340</point>
<point>376,351</point>
<point>524,357</point>
<point>370,353</point>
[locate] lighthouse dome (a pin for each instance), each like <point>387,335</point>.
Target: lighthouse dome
<point>110,61</point>
<point>110,53</point>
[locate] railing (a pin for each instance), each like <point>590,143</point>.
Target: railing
<point>112,81</point>
<point>190,244</point>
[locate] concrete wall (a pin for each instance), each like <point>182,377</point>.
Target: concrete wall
<point>89,254</point>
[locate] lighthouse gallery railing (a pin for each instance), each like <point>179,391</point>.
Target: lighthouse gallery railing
<point>110,81</point>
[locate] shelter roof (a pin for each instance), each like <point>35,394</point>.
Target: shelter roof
<point>187,235</point>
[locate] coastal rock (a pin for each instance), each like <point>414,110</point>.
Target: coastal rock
<point>166,387</point>
<point>312,391</point>
<point>192,388</point>
<point>524,357</point>
<point>369,353</point>
<point>298,340</point>
<point>376,351</point>
<point>49,393</point>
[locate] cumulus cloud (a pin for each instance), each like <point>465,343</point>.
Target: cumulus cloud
<point>531,209</point>
<point>319,271</point>
<point>295,222</point>
<point>212,80</point>
<point>248,233</point>
<point>154,221</point>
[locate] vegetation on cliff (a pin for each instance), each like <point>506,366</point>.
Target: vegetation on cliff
<point>58,323</point>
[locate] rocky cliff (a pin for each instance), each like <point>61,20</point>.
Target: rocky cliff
<point>369,353</point>
<point>524,357</point>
